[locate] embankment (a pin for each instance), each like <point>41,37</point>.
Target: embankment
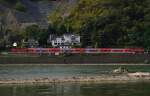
<point>77,59</point>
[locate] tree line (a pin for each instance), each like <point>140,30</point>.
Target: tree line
<point>107,23</point>
<point>100,23</point>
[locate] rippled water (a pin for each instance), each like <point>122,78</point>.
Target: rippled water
<point>69,89</point>
<point>41,71</point>
<point>74,89</point>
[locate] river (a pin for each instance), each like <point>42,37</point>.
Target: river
<point>70,89</point>
<point>58,71</point>
<point>76,89</point>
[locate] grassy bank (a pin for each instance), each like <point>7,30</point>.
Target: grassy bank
<point>76,59</point>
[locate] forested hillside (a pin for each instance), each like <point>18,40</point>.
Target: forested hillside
<point>101,23</point>
<point>16,4</point>
<point>109,23</point>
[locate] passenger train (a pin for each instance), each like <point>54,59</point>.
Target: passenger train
<point>77,50</point>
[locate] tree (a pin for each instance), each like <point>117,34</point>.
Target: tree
<point>31,32</point>
<point>147,39</point>
<point>19,6</point>
<point>123,25</point>
<point>108,23</point>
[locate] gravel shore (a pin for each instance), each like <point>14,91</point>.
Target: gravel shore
<point>80,79</point>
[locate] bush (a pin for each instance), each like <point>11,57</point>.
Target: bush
<point>20,7</point>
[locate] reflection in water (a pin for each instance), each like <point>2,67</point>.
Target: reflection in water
<point>75,89</point>
<point>67,89</point>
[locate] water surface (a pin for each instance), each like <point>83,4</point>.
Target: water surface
<point>42,71</point>
<point>74,89</point>
<point>69,89</point>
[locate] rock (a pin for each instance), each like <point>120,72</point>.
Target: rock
<point>120,70</point>
<point>139,74</point>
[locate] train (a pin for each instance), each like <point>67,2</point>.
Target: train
<point>77,50</point>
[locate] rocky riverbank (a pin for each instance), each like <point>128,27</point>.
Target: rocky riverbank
<point>82,79</point>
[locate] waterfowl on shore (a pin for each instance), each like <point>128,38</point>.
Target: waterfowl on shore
<point>120,70</point>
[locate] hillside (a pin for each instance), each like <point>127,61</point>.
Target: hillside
<point>16,15</point>
<point>35,9</point>
<point>108,23</point>
<point>101,23</point>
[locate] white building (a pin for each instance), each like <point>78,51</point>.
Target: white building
<point>64,41</point>
<point>30,43</point>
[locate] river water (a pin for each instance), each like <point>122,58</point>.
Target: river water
<point>69,89</point>
<point>58,71</point>
<point>76,89</point>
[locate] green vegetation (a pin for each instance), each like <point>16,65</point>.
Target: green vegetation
<point>36,33</point>
<point>20,7</point>
<point>108,23</point>
<point>16,4</point>
<point>101,23</point>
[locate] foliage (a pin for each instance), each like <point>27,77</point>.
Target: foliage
<point>101,23</point>
<point>20,7</point>
<point>34,32</point>
<point>16,4</point>
<point>108,23</point>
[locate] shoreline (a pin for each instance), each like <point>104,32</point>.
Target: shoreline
<point>80,79</point>
<point>79,59</point>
